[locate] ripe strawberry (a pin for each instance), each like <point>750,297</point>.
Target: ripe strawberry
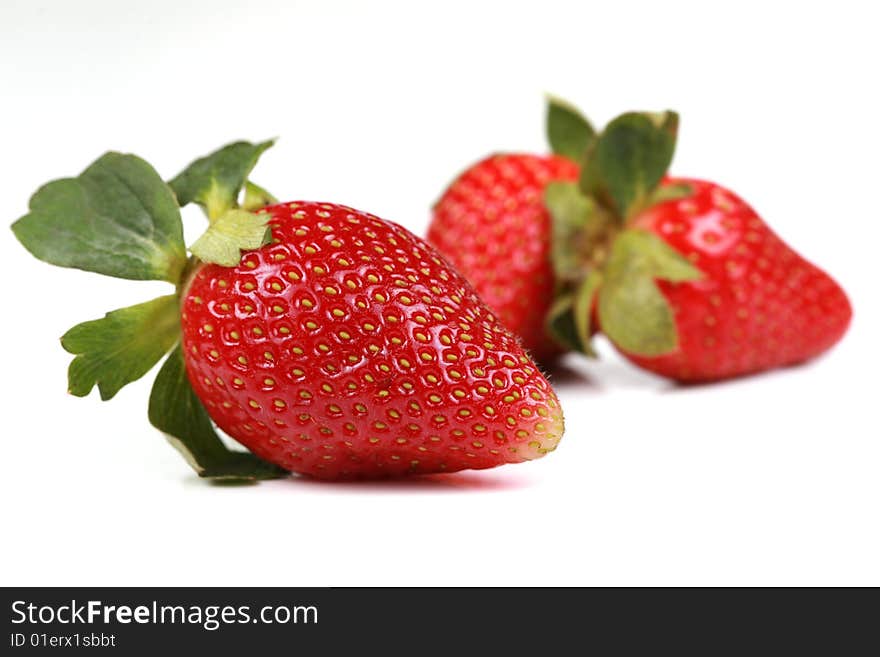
<point>338,345</point>
<point>683,277</point>
<point>492,224</point>
<point>347,347</point>
<point>758,304</point>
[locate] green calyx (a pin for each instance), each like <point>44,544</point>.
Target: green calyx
<point>214,181</point>
<point>606,266</point>
<point>119,218</point>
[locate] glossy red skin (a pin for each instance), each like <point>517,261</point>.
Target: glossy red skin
<point>760,305</point>
<point>410,374</point>
<point>491,223</point>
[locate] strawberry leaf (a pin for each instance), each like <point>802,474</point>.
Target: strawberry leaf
<point>122,347</point>
<point>578,225</point>
<point>255,197</point>
<point>568,131</point>
<point>629,159</point>
<point>176,411</point>
<point>214,181</point>
<point>231,233</point>
<point>662,260</point>
<point>569,319</point>
<point>116,218</point>
<point>560,322</point>
<point>582,309</point>
<point>672,192</point>
<point>636,316</point>
<point>633,311</point>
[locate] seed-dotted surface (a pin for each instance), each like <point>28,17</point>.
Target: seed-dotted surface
<point>348,346</point>
<point>493,226</point>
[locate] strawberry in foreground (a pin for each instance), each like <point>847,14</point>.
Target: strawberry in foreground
<point>327,341</point>
<point>684,278</point>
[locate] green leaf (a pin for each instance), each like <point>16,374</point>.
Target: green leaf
<point>255,197</point>
<point>230,234</point>
<point>582,310</point>
<point>629,159</point>
<point>636,316</point>
<point>672,192</point>
<point>122,347</point>
<point>214,181</point>
<point>579,225</point>
<point>662,261</point>
<point>568,131</point>
<point>176,411</point>
<point>560,322</point>
<point>633,311</point>
<point>116,218</point>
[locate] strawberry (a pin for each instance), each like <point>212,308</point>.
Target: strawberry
<point>757,304</point>
<point>327,341</point>
<point>348,347</point>
<point>682,276</point>
<point>492,224</point>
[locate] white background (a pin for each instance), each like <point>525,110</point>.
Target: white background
<point>769,480</point>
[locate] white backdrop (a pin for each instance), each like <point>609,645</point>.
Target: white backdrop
<point>768,480</point>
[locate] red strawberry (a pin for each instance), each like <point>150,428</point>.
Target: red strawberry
<point>758,305</point>
<point>492,224</point>
<point>348,347</point>
<point>683,277</point>
<point>338,345</point>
